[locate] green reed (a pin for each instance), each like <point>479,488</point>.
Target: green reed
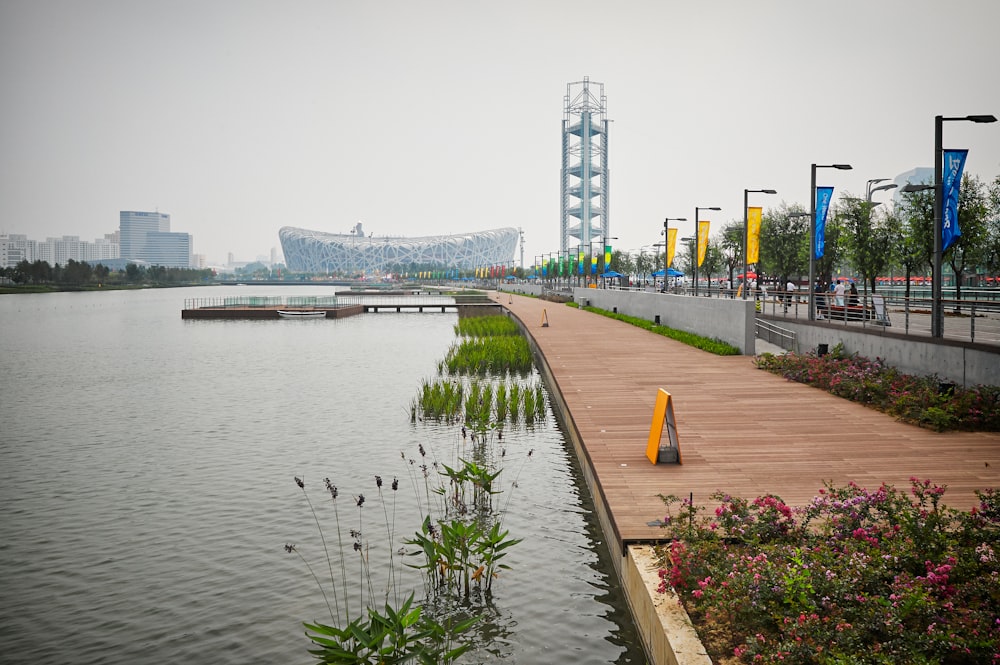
<point>487,326</point>
<point>490,355</point>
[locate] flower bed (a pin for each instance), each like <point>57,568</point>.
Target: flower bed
<point>927,401</point>
<point>856,576</point>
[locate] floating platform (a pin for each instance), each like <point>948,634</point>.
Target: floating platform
<point>257,313</point>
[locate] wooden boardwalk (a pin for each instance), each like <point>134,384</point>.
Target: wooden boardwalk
<point>741,430</point>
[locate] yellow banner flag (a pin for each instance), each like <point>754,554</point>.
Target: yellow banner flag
<point>753,235</point>
<point>671,244</point>
<point>703,227</point>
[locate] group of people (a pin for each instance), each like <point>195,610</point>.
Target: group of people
<point>838,293</point>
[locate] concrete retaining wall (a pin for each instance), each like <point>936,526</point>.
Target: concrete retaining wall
<point>955,362</point>
<point>726,319</point>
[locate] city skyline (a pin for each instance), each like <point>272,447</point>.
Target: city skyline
<point>444,117</point>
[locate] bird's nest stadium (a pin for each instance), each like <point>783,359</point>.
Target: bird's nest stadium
<point>353,254</point>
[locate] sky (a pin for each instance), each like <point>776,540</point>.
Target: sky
<point>427,117</point>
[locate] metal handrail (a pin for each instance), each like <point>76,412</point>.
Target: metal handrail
<point>783,337</point>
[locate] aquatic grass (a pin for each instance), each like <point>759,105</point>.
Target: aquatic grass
<point>493,355</point>
<point>486,326</point>
<point>301,483</point>
<point>462,539</point>
<point>479,401</point>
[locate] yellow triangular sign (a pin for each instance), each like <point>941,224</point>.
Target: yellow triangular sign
<point>663,414</point>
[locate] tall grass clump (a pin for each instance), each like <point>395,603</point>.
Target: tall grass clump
<point>487,326</point>
<point>490,355</point>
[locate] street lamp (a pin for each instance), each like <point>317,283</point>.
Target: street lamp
<point>812,231</point>
<point>746,231</point>
<point>872,190</point>
<point>937,310</point>
<point>666,246</point>
<point>604,243</point>
<point>697,242</point>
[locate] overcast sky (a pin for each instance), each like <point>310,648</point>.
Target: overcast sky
<point>431,117</point>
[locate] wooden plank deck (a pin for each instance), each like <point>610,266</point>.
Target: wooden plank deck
<point>741,430</point>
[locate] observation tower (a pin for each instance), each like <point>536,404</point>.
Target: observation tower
<point>584,189</point>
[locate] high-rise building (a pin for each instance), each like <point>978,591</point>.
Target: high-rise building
<point>169,249</point>
<point>146,236</point>
<point>134,227</point>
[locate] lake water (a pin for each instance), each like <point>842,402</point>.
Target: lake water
<point>146,480</point>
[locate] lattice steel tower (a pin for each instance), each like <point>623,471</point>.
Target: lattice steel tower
<point>584,167</point>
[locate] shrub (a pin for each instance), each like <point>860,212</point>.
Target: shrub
<point>925,401</point>
<point>856,576</point>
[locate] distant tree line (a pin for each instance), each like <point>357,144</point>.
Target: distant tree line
<point>81,274</point>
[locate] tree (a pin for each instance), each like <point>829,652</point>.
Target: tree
<point>77,273</point>
<point>991,255</point>
<point>785,234</point>
<point>645,264</point>
<point>916,250</point>
<point>730,244</point>
<point>715,261</point>
<point>970,249</point>
<point>825,265</point>
<point>865,239</point>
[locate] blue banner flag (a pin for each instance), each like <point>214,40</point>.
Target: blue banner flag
<point>823,197</point>
<point>954,164</point>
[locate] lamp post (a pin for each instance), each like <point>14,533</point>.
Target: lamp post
<point>937,309</point>
<point>746,231</point>
<point>666,246</point>
<point>697,241</point>
<point>812,231</point>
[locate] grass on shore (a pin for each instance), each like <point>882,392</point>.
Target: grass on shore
<point>716,346</point>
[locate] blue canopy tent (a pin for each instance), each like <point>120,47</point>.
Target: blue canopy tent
<point>611,273</point>
<point>671,272</point>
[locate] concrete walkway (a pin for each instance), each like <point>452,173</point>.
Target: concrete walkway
<point>741,430</point>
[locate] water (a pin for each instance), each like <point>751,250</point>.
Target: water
<point>146,479</point>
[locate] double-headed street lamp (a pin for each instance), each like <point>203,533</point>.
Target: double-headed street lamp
<point>697,241</point>
<point>812,232</point>
<point>746,231</point>
<point>666,246</point>
<point>871,190</point>
<point>937,308</point>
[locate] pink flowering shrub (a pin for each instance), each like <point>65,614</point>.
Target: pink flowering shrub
<point>856,576</point>
<point>925,401</point>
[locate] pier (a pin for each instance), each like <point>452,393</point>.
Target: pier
<point>337,306</point>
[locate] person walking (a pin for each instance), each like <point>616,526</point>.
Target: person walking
<point>838,292</point>
<point>820,299</point>
<point>853,299</point>
<point>789,292</point>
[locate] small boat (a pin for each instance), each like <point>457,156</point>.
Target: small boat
<point>302,313</point>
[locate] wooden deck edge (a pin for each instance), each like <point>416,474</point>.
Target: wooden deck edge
<point>668,637</point>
